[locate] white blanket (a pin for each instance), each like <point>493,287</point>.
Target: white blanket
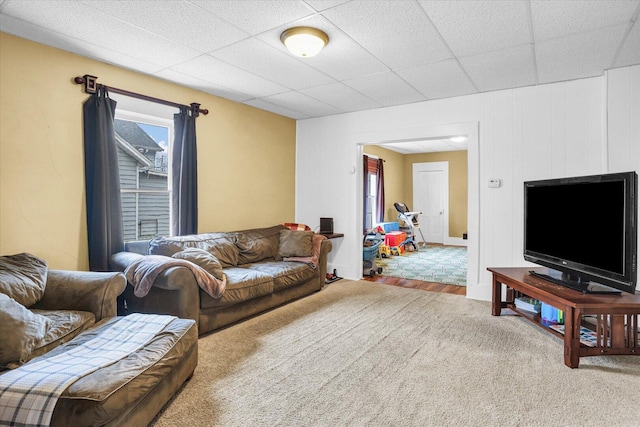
<point>29,393</point>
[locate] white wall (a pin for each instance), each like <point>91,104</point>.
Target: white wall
<point>538,132</point>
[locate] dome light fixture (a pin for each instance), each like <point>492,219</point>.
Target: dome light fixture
<point>304,41</point>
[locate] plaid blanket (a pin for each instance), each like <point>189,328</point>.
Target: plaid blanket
<point>29,393</point>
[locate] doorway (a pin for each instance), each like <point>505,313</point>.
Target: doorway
<point>389,136</point>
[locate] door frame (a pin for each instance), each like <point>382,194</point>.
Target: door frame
<point>404,134</point>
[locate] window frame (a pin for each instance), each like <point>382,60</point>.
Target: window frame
<point>153,120</point>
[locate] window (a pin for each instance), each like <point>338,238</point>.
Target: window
<point>143,144</point>
<point>372,201</point>
<point>372,193</point>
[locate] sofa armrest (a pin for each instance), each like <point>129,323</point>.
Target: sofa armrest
<point>174,291</point>
<point>82,290</point>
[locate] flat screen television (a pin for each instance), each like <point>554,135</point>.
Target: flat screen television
<point>584,229</point>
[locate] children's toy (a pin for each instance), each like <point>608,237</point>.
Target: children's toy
<point>384,251</point>
<point>370,247</point>
<point>410,220</point>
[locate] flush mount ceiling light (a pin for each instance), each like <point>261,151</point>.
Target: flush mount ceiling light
<point>304,41</point>
<point>461,138</point>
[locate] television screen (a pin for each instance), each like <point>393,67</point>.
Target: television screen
<point>584,227</point>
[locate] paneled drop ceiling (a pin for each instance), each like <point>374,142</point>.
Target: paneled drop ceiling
<point>381,53</point>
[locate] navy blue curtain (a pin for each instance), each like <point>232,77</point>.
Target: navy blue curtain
<point>102,180</point>
<point>184,175</point>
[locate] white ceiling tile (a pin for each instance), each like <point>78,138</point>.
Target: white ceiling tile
<point>324,4</point>
<point>341,96</point>
<point>578,56</point>
<point>332,62</point>
<point>182,22</point>
<point>297,101</point>
<point>630,52</point>
<point>472,27</point>
<point>507,68</point>
<point>19,28</point>
<point>256,16</point>
<point>425,146</point>
<point>264,105</point>
<point>202,85</point>
<point>77,20</point>
<point>387,89</point>
<point>396,32</point>
<point>271,64</point>
<point>442,80</point>
<point>553,19</point>
<point>215,71</point>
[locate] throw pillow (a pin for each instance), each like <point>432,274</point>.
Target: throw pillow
<point>203,259</point>
<point>20,332</point>
<point>295,243</point>
<point>23,277</point>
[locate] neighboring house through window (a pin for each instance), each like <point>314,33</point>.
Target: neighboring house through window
<point>143,160</point>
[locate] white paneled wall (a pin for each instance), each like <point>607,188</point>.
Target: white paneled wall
<point>623,118</point>
<point>527,133</point>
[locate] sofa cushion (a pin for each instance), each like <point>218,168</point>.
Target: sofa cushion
<point>221,245</point>
<point>242,284</point>
<point>65,325</point>
<point>284,274</point>
<point>23,277</point>
<point>203,259</point>
<point>258,244</point>
<point>102,396</point>
<point>20,332</point>
<point>295,243</point>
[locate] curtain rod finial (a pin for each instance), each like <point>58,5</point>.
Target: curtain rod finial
<point>90,84</point>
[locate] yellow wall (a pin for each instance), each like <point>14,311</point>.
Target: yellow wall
<point>457,185</point>
<point>246,156</point>
<point>393,178</point>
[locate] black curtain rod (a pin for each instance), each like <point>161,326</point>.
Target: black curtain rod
<point>91,86</point>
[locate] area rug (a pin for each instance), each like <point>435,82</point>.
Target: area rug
<point>433,263</point>
<point>366,354</point>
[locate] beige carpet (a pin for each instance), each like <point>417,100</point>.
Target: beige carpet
<point>367,354</point>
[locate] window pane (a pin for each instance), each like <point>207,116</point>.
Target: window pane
<point>143,161</point>
<point>129,218</point>
<point>153,215</point>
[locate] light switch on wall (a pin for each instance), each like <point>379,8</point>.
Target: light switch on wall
<point>495,183</point>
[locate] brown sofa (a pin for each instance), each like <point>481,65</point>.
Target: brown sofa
<point>72,308</point>
<point>260,274</point>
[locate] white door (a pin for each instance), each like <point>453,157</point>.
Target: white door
<point>431,197</point>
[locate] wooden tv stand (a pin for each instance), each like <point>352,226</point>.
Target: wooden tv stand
<point>614,318</point>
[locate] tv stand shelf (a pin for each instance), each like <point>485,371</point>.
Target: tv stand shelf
<point>616,317</point>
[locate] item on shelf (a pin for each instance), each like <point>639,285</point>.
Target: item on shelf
<point>587,336</point>
<point>528,304</point>
<point>551,315</point>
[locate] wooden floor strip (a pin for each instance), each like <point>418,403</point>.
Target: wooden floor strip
<point>418,284</point>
